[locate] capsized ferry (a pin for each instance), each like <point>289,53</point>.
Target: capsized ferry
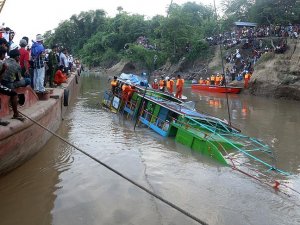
<point>204,133</point>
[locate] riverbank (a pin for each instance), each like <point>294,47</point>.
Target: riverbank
<point>275,75</point>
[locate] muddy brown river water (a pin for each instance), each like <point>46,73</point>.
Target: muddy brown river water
<point>61,186</point>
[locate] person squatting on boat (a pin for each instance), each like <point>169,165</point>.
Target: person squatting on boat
<point>7,91</point>
<point>59,76</point>
<point>179,86</point>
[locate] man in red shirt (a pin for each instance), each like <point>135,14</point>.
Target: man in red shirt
<point>59,77</point>
<point>24,58</point>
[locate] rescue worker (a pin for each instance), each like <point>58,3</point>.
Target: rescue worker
<point>247,78</point>
<point>217,80</point>
<point>212,79</point>
<point>170,85</point>
<point>114,85</point>
<point>201,81</point>
<point>179,87</point>
<point>125,91</point>
<point>207,82</point>
<point>162,84</point>
<point>155,84</point>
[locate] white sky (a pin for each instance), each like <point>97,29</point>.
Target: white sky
<point>31,17</point>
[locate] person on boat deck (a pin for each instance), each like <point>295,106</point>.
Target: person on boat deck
<point>114,85</point>
<point>247,78</point>
<point>155,84</point>
<point>170,85</point>
<point>59,76</point>
<point>162,84</point>
<point>212,79</point>
<point>179,87</point>
<point>126,91</point>
<point>7,91</point>
<point>12,77</point>
<point>207,82</point>
<point>218,79</point>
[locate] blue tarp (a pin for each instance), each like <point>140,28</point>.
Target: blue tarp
<point>134,79</point>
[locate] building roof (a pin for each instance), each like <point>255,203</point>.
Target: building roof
<point>245,24</point>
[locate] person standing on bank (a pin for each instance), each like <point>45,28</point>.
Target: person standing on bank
<point>38,57</point>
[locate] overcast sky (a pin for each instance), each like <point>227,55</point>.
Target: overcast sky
<point>30,17</point>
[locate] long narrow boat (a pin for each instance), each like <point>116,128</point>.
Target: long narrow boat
<point>218,89</point>
<point>209,135</point>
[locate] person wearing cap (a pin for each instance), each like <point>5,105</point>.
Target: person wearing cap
<point>155,84</point>
<point>170,85</point>
<point>217,79</point>
<point>207,82</point>
<point>114,85</point>
<point>201,81</point>
<point>179,86</point>
<point>52,64</point>
<point>12,77</point>
<point>7,91</point>
<point>24,58</point>
<point>38,57</point>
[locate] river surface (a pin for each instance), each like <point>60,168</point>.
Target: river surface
<point>61,186</point>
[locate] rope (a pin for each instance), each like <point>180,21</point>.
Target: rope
<point>120,174</point>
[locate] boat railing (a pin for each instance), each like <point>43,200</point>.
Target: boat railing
<point>255,146</point>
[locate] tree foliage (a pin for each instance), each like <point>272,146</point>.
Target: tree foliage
<point>100,40</point>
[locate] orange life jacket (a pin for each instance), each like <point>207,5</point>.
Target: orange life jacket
<point>161,83</point>
<point>179,83</point>
<point>114,83</point>
<point>170,84</point>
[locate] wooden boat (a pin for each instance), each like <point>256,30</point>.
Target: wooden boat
<point>218,89</point>
<point>19,141</point>
<point>209,135</point>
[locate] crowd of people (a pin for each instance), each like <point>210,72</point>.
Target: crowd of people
<point>231,38</point>
<point>241,61</point>
<point>22,65</point>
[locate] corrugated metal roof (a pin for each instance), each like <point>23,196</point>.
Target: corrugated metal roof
<point>245,24</point>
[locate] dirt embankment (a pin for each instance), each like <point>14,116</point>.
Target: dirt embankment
<point>275,75</point>
<point>278,75</point>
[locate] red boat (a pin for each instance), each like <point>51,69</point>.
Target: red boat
<point>218,89</point>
